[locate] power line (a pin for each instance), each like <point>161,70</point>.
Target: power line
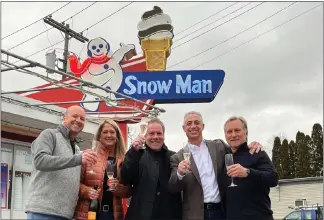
<point>51,27</point>
<point>108,16</point>
<point>258,36</point>
<point>207,18</point>
<point>35,22</point>
<point>82,10</point>
<point>195,31</point>
<point>42,50</point>
<point>277,12</point>
<point>81,31</point>
<point>218,26</point>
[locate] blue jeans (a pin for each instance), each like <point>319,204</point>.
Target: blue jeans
<point>38,216</point>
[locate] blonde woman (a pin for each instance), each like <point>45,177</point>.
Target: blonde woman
<point>112,148</point>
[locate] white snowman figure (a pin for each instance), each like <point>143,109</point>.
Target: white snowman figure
<point>107,75</point>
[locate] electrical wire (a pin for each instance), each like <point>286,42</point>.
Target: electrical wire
<point>277,12</point>
<point>70,40</point>
<point>195,31</point>
<point>86,35</point>
<point>48,36</point>
<point>258,36</point>
<point>50,28</point>
<point>41,50</point>
<point>35,22</point>
<point>82,10</point>
<point>207,18</point>
<point>81,31</point>
<point>217,26</point>
<point>108,16</point>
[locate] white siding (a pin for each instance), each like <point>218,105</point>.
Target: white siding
<point>285,195</point>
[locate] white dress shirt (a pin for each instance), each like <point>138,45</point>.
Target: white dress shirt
<point>207,175</point>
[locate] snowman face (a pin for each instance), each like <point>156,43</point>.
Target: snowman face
<point>98,47</point>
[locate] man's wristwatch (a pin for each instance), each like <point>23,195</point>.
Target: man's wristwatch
<point>248,171</point>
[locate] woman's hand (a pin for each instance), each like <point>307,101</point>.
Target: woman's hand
<point>94,194</point>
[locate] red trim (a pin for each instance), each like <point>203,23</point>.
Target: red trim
<point>17,137</point>
<point>132,60</point>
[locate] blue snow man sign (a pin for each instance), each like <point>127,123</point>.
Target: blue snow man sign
<point>187,86</point>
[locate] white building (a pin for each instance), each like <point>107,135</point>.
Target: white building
<point>295,192</point>
<point>20,125</point>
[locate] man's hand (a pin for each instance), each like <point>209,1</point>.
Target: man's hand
<point>255,147</point>
<point>183,167</point>
<point>237,170</point>
<point>112,183</point>
<point>138,142</point>
<point>94,194</point>
<point>89,157</point>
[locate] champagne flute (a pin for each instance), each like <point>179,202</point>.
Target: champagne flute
<point>186,155</point>
<point>94,148</point>
<point>110,169</point>
<point>229,161</point>
<point>143,128</point>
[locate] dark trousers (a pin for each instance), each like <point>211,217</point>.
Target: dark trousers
<point>213,214</point>
<point>106,213</point>
<point>106,216</point>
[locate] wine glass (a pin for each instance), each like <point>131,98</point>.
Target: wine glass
<point>110,169</point>
<point>229,161</point>
<point>186,155</point>
<point>143,128</point>
<point>94,148</point>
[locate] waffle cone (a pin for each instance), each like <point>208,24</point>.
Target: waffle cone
<point>156,53</point>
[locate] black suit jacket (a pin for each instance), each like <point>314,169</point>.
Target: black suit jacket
<point>140,170</point>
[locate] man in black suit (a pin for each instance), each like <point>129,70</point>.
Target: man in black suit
<point>148,171</point>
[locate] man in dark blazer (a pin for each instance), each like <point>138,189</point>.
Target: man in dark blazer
<point>148,171</point>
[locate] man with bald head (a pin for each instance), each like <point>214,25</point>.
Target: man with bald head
<point>55,179</point>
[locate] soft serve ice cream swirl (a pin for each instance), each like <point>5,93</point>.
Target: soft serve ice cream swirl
<point>155,25</point>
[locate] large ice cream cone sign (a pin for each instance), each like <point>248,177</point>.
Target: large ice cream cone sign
<point>155,32</point>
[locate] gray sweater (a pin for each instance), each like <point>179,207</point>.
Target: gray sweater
<point>55,179</point>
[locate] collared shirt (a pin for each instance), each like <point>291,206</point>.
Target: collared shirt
<point>206,171</point>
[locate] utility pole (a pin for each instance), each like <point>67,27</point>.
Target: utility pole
<point>66,49</point>
<point>69,33</point>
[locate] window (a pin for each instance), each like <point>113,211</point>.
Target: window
<point>22,172</point>
<point>16,168</point>
<point>294,216</point>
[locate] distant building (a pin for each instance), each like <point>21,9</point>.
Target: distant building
<point>291,193</point>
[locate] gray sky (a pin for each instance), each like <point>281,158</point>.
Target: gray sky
<point>275,81</point>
